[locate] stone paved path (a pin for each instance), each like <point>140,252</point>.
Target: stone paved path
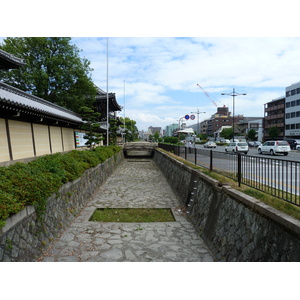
<point>136,183</point>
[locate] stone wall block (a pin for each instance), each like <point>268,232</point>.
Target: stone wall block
<point>235,226</point>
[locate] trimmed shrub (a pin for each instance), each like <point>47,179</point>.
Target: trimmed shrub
<point>32,183</point>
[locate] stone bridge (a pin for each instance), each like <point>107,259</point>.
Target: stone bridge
<point>134,149</point>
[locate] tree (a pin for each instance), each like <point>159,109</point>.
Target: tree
<point>131,131</point>
<point>273,132</point>
<point>113,131</point>
<point>91,126</point>
<point>156,136</point>
<point>251,134</point>
<point>54,71</point>
<point>227,133</point>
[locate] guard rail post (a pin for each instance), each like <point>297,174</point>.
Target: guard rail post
<point>211,160</point>
<point>239,169</point>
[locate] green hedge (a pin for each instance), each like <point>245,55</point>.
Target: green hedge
<point>32,183</point>
<point>171,140</point>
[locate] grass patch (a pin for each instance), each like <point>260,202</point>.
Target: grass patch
<point>130,215</point>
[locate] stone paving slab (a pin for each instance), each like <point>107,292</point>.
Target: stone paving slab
<point>136,183</point>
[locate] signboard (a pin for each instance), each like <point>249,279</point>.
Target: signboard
<point>80,140</point>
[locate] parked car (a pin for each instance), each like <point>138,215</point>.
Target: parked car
<point>274,147</point>
<point>251,144</point>
<point>293,143</point>
<point>237,147</point>
<point>210,144</point>
<point>224,141</point>
<point>257,144</point>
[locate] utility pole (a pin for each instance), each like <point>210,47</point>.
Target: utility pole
<point>233,94</point>
<point>107,102</point>
<point>198,120</point>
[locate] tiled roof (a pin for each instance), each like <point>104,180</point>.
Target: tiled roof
<point>9,61</point>
<point>26,102</point>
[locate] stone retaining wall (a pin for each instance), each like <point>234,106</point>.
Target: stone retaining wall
<point>235,227</point>
<point>24,237</point>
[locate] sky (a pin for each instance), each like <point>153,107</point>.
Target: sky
<point>158,54</point>
<point>157,79</point>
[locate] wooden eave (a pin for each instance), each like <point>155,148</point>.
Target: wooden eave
<point>9,61</point>
<point>18,105</point>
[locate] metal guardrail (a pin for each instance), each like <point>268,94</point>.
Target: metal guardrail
<point>279,178</point>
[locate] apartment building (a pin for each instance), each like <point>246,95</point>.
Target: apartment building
<point>292,111</point>
<point>274,117</point>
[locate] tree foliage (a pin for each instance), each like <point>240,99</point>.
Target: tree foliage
<point>273,132</point>
<point>113,131</point>
<point>227,133</point>
<point>91,126</point>
<point>54,71</point>
<point>156,136</point>
<point>251,134</point>
<point>131,131</point>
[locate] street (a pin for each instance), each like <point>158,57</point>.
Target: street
<point>277,173</point>
<point>293,155</point>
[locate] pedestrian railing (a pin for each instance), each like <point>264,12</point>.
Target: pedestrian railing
<point>279,178</point>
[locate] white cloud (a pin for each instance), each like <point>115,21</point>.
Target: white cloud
<point>161,74</point>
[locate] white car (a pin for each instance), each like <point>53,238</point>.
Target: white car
<point>274,147</point>
<point>210,144</point>
<point>235,147</point>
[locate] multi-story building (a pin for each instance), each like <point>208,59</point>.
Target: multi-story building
<point>171,129</point>
<point>257,125</point>
<point>152,130</point>
<point>292,111</point>
<point>275,117</point>
<point>221,118</point>
<point>247,123</point>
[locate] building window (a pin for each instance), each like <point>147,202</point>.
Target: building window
<point>287,94</point>
<point>288,104</point>
<point>287,127</point>
<point>293,92</point>
<point>288,115</point>
<point>293,115</point>
<point>292,126</point>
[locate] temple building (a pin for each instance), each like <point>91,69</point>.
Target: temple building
<point>31,126</point>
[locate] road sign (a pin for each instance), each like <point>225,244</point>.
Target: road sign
<point>192,117</point>
<point>186,117</point>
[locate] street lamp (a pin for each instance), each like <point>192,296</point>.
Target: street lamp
<point>233,94</point>
<point>179,122</point>
<point>198,113</point>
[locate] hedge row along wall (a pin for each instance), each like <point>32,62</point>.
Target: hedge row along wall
<point>24,237</point>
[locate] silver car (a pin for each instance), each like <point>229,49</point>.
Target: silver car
<point>274,147</point>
